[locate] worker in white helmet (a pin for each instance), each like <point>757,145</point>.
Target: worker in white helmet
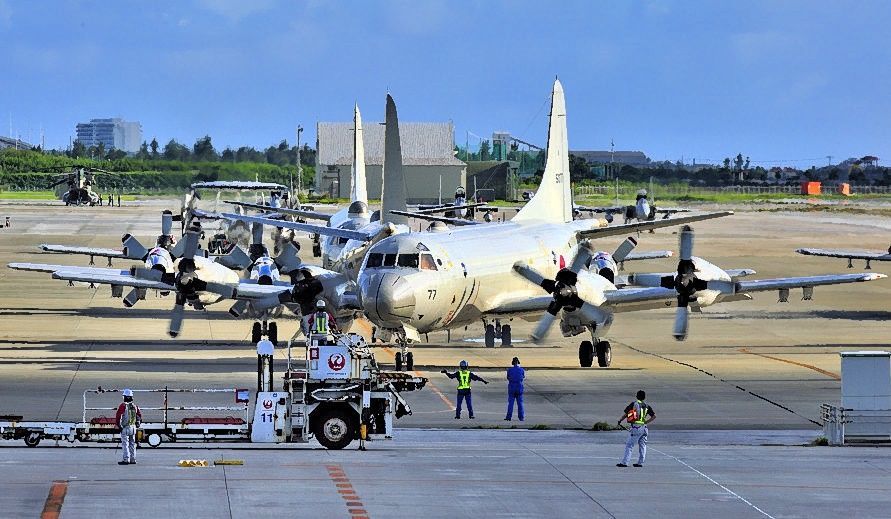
<point>129,419</point>
<point>320,322</point>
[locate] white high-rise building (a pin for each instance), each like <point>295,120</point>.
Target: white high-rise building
<point>112,133</point>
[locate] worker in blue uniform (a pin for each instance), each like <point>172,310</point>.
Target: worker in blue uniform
<point>515,377</point>
<point>464,376</point>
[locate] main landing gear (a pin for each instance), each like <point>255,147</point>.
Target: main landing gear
<point>600,349</point>
<point>264,329</point>
<point>497,331</point>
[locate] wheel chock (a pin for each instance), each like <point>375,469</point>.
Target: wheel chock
<point>192,463</point>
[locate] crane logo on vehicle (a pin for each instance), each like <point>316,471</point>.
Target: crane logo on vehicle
<point>267,404</point>
<point>336,361</point>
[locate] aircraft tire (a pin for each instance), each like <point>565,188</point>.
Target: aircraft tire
<point>256,333</point>
<point>506,336</point>
<point>604,354</point>
<point>273,334</point>
<point>586,354</point>
<point>398,361</point>
<point>409,361</point>
<point>490,336</point>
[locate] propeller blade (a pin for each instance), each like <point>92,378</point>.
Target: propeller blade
<point>624,249</point>
<point>239,308</point>
<point>582,257</point>
<point>681,321</point>
<point>133,297</point>
<point>166,222</point>
<point>544,325</point>
<point>176,317</point>
<point>533,276</point>
<point>685,243</point>
<point>191,245</point>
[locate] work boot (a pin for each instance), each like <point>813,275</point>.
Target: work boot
<point>621,465</point>
<point>457,417</point>
<point>123,463</point>
<point>638,465</point>
<point>507,419</point>
<point>132,462</point>
<point>472,417</point>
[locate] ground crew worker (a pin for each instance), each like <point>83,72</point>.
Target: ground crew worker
<point>638,414</point>
<point>128,418</point>
<point>464,377</point>
<point>320,322</point>
<point>515,377</point>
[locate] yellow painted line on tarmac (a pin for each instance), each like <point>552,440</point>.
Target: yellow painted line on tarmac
<point>787,361</point>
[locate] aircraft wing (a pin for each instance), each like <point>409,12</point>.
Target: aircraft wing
<point>42,267</point>
<point>444,208</point>
<point>121,277</point>
<point>256,291</point>
<point>432,218</point>
<point>653,254</point>
<point>671,210</point>
<point>607,209</point>
<point>849,254</point>
<point>617,230</point>
<point>318,229</point>
<point>239,185</point>
<point>87,251</point>
<point>532,306</point>
<point>303,213</point>
<point>806,281</point>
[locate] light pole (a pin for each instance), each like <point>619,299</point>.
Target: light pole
<point>299,168</point>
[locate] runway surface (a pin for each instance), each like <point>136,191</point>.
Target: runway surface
<point>747,366</point>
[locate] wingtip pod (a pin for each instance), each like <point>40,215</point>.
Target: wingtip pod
<point>873,276</point>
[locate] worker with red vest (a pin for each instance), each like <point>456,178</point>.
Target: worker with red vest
<point>128,418</point>
<point>638,414</point>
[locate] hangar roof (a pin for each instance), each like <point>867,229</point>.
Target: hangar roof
<point>423,144</point>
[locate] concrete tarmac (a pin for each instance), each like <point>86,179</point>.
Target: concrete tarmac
<point>441,474</point>
<point>746,366</point>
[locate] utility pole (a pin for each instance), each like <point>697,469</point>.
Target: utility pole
<point>829,158</point>
<point>299,167</point>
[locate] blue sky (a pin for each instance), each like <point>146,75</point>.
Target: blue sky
<point>777,81</point>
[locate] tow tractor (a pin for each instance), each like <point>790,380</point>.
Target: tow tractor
<point>338,394</point>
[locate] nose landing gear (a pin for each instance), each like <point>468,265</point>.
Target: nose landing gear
<point>602,350</point>
<point>497,331</point>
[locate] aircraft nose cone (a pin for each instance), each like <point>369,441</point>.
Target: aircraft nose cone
<point>388,298</point>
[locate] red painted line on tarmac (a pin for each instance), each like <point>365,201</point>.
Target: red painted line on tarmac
<point>350,498</point>
<point>53,506</point>
<point>802,364</point>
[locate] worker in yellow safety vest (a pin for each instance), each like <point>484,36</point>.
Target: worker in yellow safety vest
<point>464,376</point>
<point>638,414</point>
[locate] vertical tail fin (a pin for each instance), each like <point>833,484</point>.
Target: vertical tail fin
<point>553,200</point>
<point>358,191</point>
<point>393,195</point>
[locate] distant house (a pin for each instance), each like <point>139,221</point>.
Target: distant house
<point>630,158</point>
<point>9,142</point>
<point>428,158</point>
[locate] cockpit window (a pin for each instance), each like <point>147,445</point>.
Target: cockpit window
<point>342,241</point>
<point>427,262</point>
<point>375,259</point>
<point>389,260</point>
<point>408,260</point>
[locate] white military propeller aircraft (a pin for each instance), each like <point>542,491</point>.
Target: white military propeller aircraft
<point>642,210</point>
<point>422,282</point>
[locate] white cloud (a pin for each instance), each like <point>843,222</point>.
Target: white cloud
<point>235,10</point>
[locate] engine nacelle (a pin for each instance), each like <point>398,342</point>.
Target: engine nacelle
<point>719,282</point>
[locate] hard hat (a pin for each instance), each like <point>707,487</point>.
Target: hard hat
<point>463,364</point>
<point>128,392</point>
<point>320,303</point>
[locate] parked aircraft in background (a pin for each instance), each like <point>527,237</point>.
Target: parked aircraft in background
<point>850,255</point>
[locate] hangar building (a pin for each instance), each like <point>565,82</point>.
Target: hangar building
<point>427,156</point>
